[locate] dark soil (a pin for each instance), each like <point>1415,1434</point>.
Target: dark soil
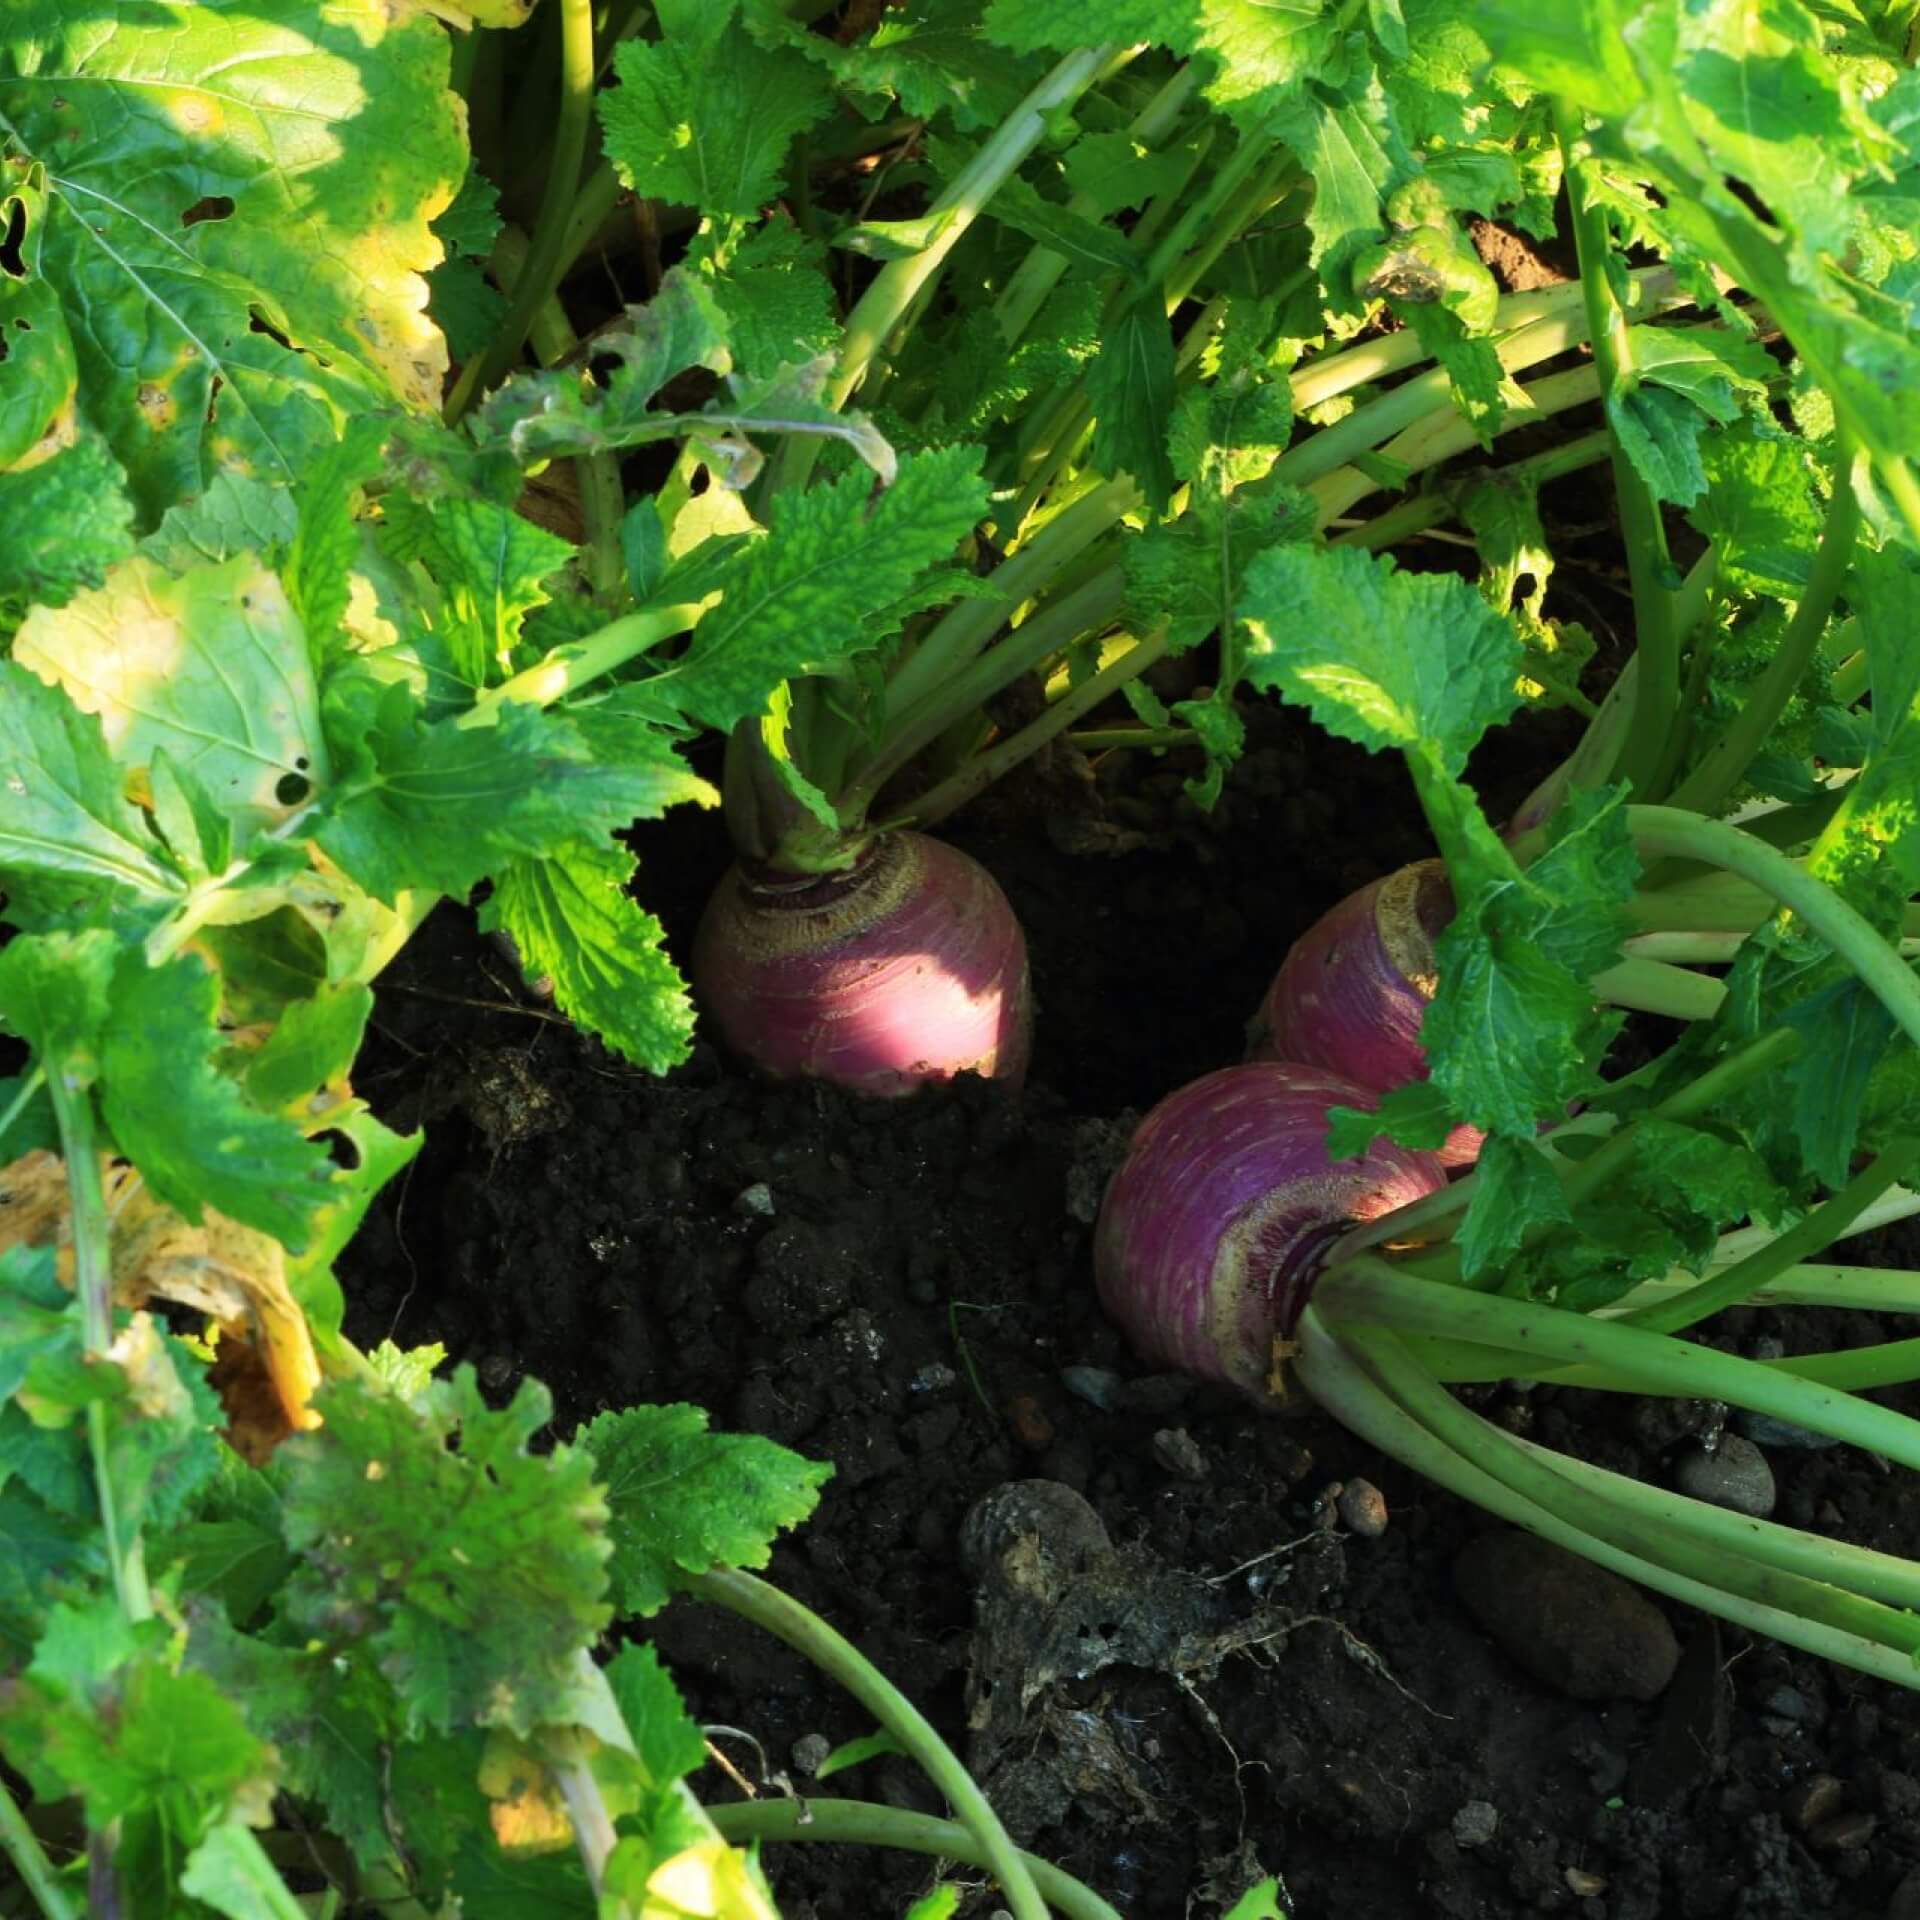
<point>903,1289</point>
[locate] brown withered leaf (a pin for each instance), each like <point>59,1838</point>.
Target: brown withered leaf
<point>265,1368</point>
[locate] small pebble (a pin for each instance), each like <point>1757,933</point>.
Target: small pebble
<point>1765,1431</point>
<point>935,1377</point>
<point>1789,1703</point>
<point>810,1753</point>
<point>1735,1475</point>
<point>1097,1386</point>
<point>1572,1625</point>
<point>1476,1823</point>
<point>1584,1885</point>
<point>1179,1452</point>
<point>756,1199</point>
<point>1030,1424</point>
<point>1844,1833</point>
<point>1363,1509</point>
<point>1814,1800</point>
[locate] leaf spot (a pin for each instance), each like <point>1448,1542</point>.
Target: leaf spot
<point>212,206</point>
<point>12,260</point>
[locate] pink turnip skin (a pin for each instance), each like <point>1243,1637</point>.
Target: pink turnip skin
<point>1354,988</point>
<point>1215,1228</point>
<point>908,968</point>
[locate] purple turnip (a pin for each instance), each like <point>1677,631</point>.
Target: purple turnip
<point>1354,988</point>
<point>905,968</point>
<point>1221,1216</point>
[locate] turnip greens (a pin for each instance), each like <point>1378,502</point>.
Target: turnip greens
<point>428,432</point>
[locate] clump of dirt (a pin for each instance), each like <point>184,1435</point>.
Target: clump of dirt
<point>1194,1673</point>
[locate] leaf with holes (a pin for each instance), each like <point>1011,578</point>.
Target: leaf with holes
<point>226,212</point>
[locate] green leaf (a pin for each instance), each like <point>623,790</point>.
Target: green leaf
<point>237,514</point>
<point>1257,54</point>
<point>703,117</point>
<point>683,1500</point>
<point>68,520</point>
<point>801,600</point>
<point>1759,509</point>
<point>62,812</point>
<point>1845,1034</point>
<point>327,542</point>
<point>770,285</point>
<point>312,1046</point>
<point>55,993</point>
<point>851,1753</point>
<point>572,922</point>
<point>1384,658</point>
<point>1191,571</point>
<point>1114,172</point>
<point>1354,156</point>
<point>479,1618</point>
<point>231,1874</point>
<point>1084,244</point>
<point>297,192</point>
<point>1516,1193</point>
<point>491,567</point>
<point>1130,387</point>
<point>1660,433</point>
<point>192,1133</point>
<point>1261,1902</point>
<point>444,805</point>
<point>666,1739</point>
<point>212,666</point>
<point>1417,1115</point>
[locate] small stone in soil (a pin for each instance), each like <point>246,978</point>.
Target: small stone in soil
<point>1735,1475</point>
<point>1031,1427</point>
<point>1584,1885</point>
<point>1572,1625</point>
<point>1476,1823</point>
<point>810,1753</point>
<point>1179,1452</point>
<point>1844,1833</point>
<point>1815,1800</point>
<point>756,1199</point>
<point>1097,1386</point>
<point>1363,1509</point>
<point>935,1377</point>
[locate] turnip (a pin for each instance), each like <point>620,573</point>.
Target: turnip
<point>1217,1223</point>
<point>1354,988</point>
<point>907,967</point>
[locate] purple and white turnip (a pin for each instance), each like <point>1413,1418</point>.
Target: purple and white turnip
<point>1354,988</point>
<point>905,968</point>
<point>1223,1213</point>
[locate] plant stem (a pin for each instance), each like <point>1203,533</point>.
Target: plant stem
<point>808,1634</point>
<point>1667,831</point>
<point>30,1084</point>
<point>1725,763</point>
<point>860,1823</point>
<point>1830,1221</point>
<point>1649,566</point>
<point>1797,1574</point>
<point>1370,1292</point>
<point>979,773</point>
<point>30,1861</point>
<point>577,663</point>
<point>1341,1384</point>
<point>893,288</point>
<point>1654,986</point>
<point>542,272</point>
<point>1039,637</point>
<point>1434,509</point>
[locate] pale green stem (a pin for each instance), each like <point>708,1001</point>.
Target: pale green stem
<point>860,1823</point>
<point>954,210</point>
<point>30,1861</point>
<point>1652,986</point>
<point>31,1084</point>
<point>550,229</point>
<point>1667,831</point>
<point>1361,1405</point>
<point>1039,637</point>
<point>578,663</point>
<point>1794,1572</point>
<point>809,1635</point>
<point>984,769</point>
<point>1370,1292</point>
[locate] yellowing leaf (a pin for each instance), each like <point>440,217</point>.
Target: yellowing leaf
<point>211,666</point>
<point>706,1882</point>
<point>232,1274</point>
